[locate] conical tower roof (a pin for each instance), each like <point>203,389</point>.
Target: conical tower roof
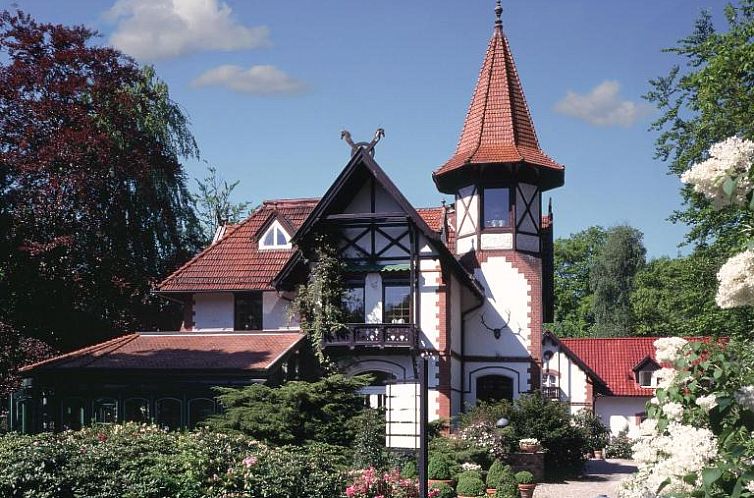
<point>498,131</point>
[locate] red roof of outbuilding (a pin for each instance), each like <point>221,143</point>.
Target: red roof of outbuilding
<point>235,261</point>
<point>498,126</point>
<point>614,359</point>
<point>253,351</point>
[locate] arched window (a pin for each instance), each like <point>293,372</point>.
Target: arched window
<point>136,410</point>
<point>73,414</point>
<point>105,410</point>
<point>550,386</point>
<point>168,412</point>
<point>199,410</point>
<point>494,388</point>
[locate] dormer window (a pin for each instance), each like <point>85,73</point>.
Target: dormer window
<point>275,237</point>
<point>496,207</point>
<point>644,372</point>
<point>645,378</point>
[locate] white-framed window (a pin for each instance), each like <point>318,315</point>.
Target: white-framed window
<point>275,237</point>
<point>646,377</point>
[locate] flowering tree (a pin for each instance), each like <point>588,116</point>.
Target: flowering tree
<point>697,440</point>
<point>726,178</point>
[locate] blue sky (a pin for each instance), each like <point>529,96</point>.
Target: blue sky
<point>268,86</point>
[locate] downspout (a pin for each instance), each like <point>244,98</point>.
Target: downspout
<point>463,352</point>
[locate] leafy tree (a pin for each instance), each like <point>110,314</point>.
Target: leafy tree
<point>93,200</point>
<point>574,258</point>
<point>612,280</point>
<point>297,412</point>
<point>708,96</point>
<point>214,207</point>
<point>677,297</point>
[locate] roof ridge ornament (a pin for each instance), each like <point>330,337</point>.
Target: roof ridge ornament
<point>367,146</point>
<point>499,14</point>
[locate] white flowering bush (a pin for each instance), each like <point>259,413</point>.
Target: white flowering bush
<point>697,440</point>
<point>725,177</point>
<point>736,281</point>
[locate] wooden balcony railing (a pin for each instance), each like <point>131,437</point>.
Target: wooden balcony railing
<point>375,335</point>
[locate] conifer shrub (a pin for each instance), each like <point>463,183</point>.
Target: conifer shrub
<point>440,467</point>
<point>524,477</point>
<point>470,484</point>
<point>498,473</point>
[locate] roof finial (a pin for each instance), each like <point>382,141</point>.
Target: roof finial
<point>498,15</point>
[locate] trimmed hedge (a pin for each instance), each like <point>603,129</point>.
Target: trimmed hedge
<point>140,461</point>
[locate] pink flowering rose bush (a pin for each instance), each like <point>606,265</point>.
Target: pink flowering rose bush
<point>370,483</point>
<point>697,440</point>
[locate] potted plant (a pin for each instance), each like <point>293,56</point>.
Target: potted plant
<point>526,484</point>
<point>440,470</point>
<point>529,445</point>
<point>470,485</point>
<point>495,475</point>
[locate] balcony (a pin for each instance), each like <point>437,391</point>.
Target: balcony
<point>375,335</point>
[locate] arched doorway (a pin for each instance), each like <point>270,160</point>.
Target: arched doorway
<point>494,388</point>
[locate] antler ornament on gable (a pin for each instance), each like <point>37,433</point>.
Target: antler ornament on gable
<point>367,146</point>
<point>497,332</point>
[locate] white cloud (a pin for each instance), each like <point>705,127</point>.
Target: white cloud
<point>602,106</point>
<point>159,29</point>
<point>257,80</point>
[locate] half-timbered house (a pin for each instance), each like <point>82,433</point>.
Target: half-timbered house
<point>468,283</point>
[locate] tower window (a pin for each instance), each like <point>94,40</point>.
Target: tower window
<point>496,207</point>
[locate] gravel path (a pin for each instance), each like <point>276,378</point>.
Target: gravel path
<point>601,478</point>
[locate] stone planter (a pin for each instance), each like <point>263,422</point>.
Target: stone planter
<point>599,454</point>
<point>491,492</point>
<point>526,490</point>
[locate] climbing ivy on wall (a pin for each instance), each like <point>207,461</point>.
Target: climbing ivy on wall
<point>318,302</point>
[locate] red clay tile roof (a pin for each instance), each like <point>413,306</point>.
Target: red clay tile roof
<point>253,351</point>
<point>432,216</point>
<point>235,261</point>
<point>614,359</point>
<point>498,126</point>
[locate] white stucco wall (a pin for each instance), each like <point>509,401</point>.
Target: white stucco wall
<point>276,311</point>
<point>617,413</point>
<point>429,283</point>
<point>506,305</point>
<point>467,223</point>
<point>572,379</point>
<point>213,311</point>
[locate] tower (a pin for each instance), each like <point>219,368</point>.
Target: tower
<point>497,175</point>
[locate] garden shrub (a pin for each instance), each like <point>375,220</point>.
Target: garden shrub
<point>549,421</point>
<point>369,444</point>
<point>139,461</point>
<point>443,490</point>
<point>409,470</point>
<point>596,433</point>
<point>524,477</point>
<point>507,487</point>
<point>460,450</point>
<point>619,446</point>
<point>470,484</point>
<point>373,484</point>
<point>297,412</point>
<point>440,467</point>
<point>496,473</point>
